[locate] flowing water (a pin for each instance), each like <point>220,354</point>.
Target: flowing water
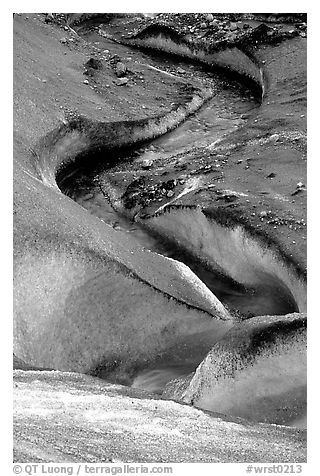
<point>219,116</point>
<point>227,110</point>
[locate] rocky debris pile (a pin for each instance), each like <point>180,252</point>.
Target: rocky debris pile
<point>195,22</point>
<point>98,62</point>
<point>219,30</point>
<point>271,218</point>
<point>141,193</point>
<point>214,27</point>
<point>277,17</point>
<point>74,19</point>
<point>60,19</point>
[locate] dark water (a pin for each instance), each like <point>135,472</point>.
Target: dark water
<point>227,110</point>
<point>216,118</point>
<point>219,116</point>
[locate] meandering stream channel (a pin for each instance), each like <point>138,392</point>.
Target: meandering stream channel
<point>229,108</point>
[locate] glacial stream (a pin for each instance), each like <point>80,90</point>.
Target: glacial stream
<point>228,109</point>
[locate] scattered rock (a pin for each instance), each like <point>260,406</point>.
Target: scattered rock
<point>233,27</point>
<point>170,184</point>
<point>85,81</point>
<point>114,59</point>
<point>274,137</point>
<point>214,26</point>
<point>300,188</point>
<point>209,17</point>
<point>49,18</point>
<point>146,163</point>
<point>120,69</point>
<point>226,196</point>
<point>260,32</point>
<point>231,36</point>
<point>64,41</point>
<point>94,63</point>
<point>271,175</point>
<point>122,81</point>
<point>170,193</point>
<point>104,34</point>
